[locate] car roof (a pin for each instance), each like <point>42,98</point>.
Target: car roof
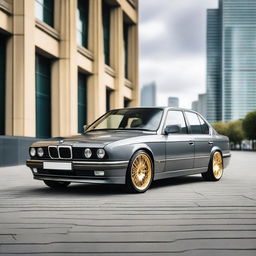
<point>164,108</point>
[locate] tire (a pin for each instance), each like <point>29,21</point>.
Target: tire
<point>56,184</point>
<point>215,169</point>
<point>139,173</point>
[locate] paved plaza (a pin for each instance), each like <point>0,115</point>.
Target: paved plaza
<point>181,216</point>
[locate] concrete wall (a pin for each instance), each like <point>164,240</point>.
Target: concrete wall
<point>14,150</point>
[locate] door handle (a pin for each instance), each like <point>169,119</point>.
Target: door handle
<point>191,143</point>
<point>210,142</point>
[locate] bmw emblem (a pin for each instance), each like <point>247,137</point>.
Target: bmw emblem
<point>61,141</point>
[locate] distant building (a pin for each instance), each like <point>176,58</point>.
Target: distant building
<point>173,102</point>
<point>231,60</point>
<point>195,105</point>
<point>148,95</point>
<point>201,104</point>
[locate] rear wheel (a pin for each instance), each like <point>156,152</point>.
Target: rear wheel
<point>139,173</point>
<point>56,184</point>
<point>215,169</point>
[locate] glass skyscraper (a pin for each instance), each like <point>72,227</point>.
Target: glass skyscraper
<point>231,60</point>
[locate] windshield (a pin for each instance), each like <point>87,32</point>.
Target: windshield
<point>129,119</point>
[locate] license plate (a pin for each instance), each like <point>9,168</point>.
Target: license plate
<point>57,166</point>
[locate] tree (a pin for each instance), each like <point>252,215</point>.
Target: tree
<point>249,126</point>
<point>235,132</point>
<point>221,128</point>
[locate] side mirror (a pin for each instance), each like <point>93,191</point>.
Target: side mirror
<point>172,129</point>
<point>85,127</point>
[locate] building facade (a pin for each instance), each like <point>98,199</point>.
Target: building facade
<point>173,102</point>
<point>231,60</point>
<point>64,63</point>
<point>148,95</point>
<point>200,105</point>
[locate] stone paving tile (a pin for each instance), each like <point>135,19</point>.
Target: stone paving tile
<point>181,216</point>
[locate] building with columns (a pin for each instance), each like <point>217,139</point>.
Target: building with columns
<point>63,63</point>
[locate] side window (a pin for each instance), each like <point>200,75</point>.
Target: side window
<point>176,118</point>
<point>204,126</point>
<point>195,125</point>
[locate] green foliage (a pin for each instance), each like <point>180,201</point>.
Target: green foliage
<point>235,131</point>
<point>249,125</point>
<point>221,128</point>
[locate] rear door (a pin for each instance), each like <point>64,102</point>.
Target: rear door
<point>199,129</point>
<point>179,147</point>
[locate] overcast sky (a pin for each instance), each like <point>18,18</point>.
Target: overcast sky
<point>173,47</point>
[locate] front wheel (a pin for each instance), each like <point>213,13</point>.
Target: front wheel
<point>139,173</point>
<point>215,169</point>
<point>56,184</point>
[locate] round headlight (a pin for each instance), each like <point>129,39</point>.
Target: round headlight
<point>87,153</point>
<point>100,153</point>
<point>40,152</point>
<point>32,151</point>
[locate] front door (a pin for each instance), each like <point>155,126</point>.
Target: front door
<point>179,146</point>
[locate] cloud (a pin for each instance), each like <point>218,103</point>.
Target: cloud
<point>172,46</point>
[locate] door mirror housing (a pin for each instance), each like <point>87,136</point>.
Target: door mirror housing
<point>172,129</point>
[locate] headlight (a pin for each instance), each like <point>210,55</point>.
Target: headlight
<point>100,153</point>
<point>40,152</point>
<point>87,153</point>
<point>32,151</point>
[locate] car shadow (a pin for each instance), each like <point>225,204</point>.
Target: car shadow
<point>177,181</point>
<point>103,189</point>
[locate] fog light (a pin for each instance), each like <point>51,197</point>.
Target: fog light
<point>100,153</point>
<point>99,173</point>
<point>32,151</point>
<point>34,170</point>
<point>40,152</point>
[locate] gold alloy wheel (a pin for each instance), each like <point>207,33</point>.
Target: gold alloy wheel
<point>141,173</point>
<point>217,165</point>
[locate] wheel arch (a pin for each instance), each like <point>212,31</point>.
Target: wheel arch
<point>214,149</point>
<point>147,150</point>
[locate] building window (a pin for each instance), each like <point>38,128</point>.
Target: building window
<point>43,97</point>
<point>108,99</point>
<point>106,11</point>
<point>45,10</point>
<point>127,102</point>
<point>82,22</point>
<point>82,102</point>
<point>126,53</point>
<point>2,84</point>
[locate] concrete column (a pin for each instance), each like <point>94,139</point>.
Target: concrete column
<point>117,55</point>
<point>96,86</point>
<point>133,64</point>
<point>23,63</point>
<point>64,120</point>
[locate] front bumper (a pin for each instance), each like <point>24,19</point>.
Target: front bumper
<point>82,171</point>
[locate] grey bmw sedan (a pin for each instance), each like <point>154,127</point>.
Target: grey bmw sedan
<point>133,147</point>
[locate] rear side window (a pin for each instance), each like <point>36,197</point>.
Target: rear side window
<point>195,125</point>
<point>176,118</point>
<point>204,126</point>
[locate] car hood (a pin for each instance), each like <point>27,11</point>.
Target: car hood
<point>93,138</point>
